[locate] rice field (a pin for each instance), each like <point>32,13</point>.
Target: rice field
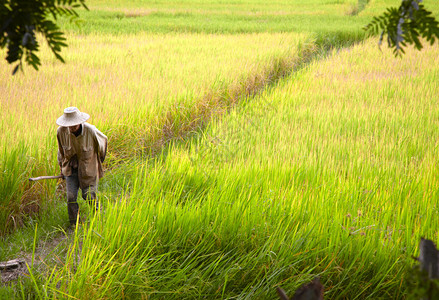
<point>131,89</point>
<point>301,163</point>
<point>316,176</point>
<point>143,86</point>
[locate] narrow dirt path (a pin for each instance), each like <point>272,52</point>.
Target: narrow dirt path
<point>46,253</point>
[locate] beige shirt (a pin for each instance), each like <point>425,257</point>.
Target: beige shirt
<point>86,152</point>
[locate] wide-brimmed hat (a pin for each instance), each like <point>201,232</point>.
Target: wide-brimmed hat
<point>71,117</point>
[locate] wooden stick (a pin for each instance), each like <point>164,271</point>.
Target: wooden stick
<point>11,264</point>
<point>45,177</point>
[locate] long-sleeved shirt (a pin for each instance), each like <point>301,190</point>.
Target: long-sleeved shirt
<point>86,152</point>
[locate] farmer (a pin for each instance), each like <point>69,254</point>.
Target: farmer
<point>81,152</point>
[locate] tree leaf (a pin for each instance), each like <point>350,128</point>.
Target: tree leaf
<point>15,69</point>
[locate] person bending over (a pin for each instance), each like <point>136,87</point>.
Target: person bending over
<point>81,152</point>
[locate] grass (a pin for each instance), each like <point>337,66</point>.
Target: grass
<point>298,182</point>
<point>215,16</point>
<point>161,83</point>
<point>328,172</point>
<point>174,79</point>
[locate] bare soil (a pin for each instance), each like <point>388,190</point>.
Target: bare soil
<point>47,253</point>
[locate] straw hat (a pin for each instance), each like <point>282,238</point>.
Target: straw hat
<point>71,117</point>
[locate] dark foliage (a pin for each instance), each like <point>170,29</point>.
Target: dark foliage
<point>21,20</point>
<point>423,279</point>
<point>405,25</point>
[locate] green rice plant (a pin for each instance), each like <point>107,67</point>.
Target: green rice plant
<point>172,99</point>
<point>9,184</point>
<point>330,173</point>
<point>164,88</point>
<point>328,21</point>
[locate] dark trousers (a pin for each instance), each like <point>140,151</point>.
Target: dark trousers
<point>88,193</point>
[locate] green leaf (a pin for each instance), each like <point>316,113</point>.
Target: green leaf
<point>59,57</point>
<point>15,69</point>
